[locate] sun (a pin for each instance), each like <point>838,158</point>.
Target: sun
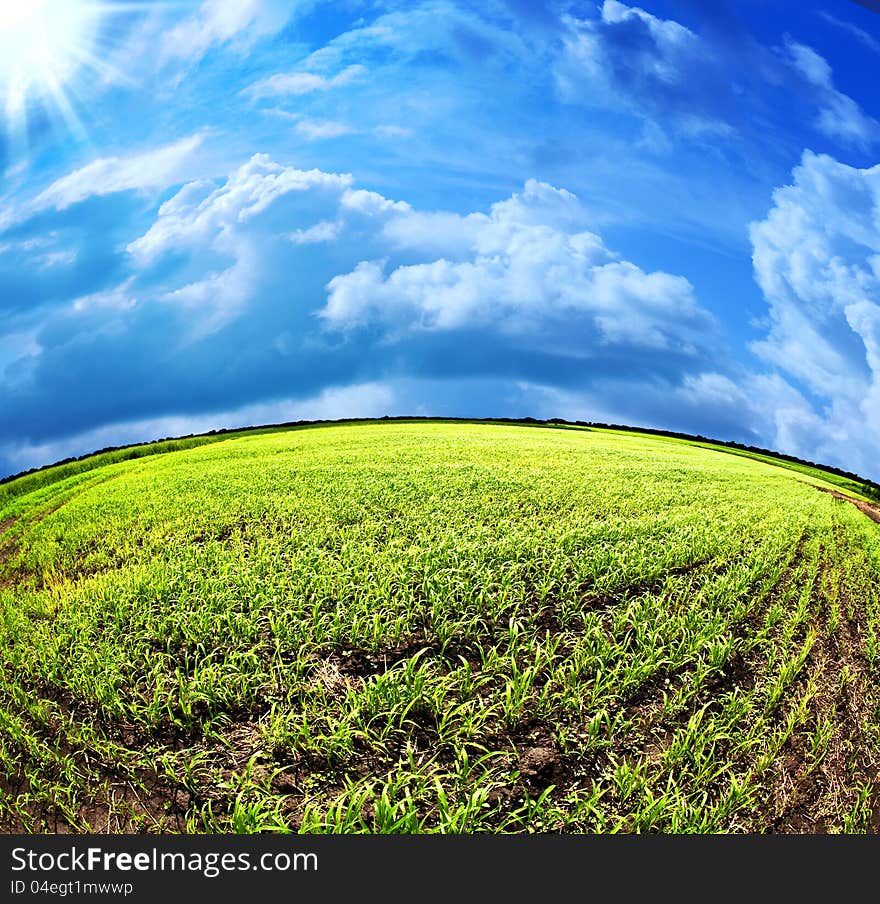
<point>44,46</point>
<point>42,43</point>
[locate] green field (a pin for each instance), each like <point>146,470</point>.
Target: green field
<point>437,627</point>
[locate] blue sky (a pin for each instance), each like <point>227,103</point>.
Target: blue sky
<point>215,214</point>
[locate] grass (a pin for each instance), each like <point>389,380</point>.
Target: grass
<point>434,627</point>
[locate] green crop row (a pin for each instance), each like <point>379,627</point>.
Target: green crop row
<point>438,628</point>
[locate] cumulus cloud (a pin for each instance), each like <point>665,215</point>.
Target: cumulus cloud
<point>817,260</point>
<point>209,219</point>
<point>325,231</point>
<point>118,298</point>
<point>157,168</point>
<point>202,213</point>
<point>371,203</point>
<point>529,265</point>
<point>538,291</point>
<point>280,282</point>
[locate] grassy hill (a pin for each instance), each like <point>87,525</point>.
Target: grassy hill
<point>422,627</point>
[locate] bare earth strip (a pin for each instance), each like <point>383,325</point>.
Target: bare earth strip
<point>872,511</point>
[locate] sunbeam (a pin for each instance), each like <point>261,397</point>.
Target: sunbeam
<point>44,45</point>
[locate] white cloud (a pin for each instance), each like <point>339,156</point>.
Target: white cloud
<point>312,129</point>
<point>853,30</point>
<point>840,117</point>
<point>203,218</point>
<point>325,231</point>
<point>843,119</point>
<point>154,169</point>
<point>219,22</point>
<point>219,297</point>
<point>59,259</point>
<point>417,28</point>
<point>530,273</point>
<point>811,65</point>
<point>321,129</point>
<point>435,232</point>
<point>817,260</point>
<point>42,252</point>
<point>370,203</point>
<point>201,214</point>
<point>530,266</point>
<point>299,83</point>
<point>678,81</point>
<point>119,298</point>
<point>593,70</point>
<point>667,31</point>
<point>524,299</point>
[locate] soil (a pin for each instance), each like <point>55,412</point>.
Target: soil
<point>7,551</point>
<point>808,796</point>
<point>867,508</point>
<point>539,763</point>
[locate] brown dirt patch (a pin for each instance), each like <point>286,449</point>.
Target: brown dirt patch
<point>118,798</point>
<point>122,805</point>
<point>866,508</point>
<point>540,765</point>
<point>7,551</point>
<point>811,789</point>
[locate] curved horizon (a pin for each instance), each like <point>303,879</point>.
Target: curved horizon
<point>868,487</point>
<point>641,212</point>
